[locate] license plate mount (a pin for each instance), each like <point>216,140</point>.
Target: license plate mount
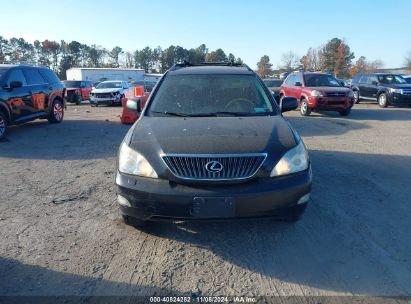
<point>213,207</point>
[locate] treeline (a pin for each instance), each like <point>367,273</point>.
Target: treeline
<point>61,56</point>
<point>335,57</point>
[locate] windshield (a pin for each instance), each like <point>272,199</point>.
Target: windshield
<point>273,83</point>
<point>110,85</point>
<point>320,80</point>
<point>392,79</point>
<point>72,84</point>
<point>203,95</point>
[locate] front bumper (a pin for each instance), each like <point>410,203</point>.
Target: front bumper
<point>330,103</point>
<point>104,101</point>
<point>399,99</point>
<point>157,199</point>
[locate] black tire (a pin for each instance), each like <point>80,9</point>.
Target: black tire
<point>56,114</point>
<point>3,126</point>
<point>304,108</point>
<point>79,99</point>
<point>132,221</point>
<point>382,100</point>
<point>345,112</point>
<point>356,96</point>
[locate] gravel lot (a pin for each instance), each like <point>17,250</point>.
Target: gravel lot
<point>61,231</point>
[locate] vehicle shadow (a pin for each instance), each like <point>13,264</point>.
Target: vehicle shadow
<point>70,140</point>
<point>26,282</point>
<point>351,238</point>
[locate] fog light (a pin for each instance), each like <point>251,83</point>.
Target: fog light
<point>304,199</point>
<point>123,201</point>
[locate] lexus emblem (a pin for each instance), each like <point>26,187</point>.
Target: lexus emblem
<point>214,166</point>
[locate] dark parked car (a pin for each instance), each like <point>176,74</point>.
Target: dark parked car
<point>386,89</point>
<point>27,93</point>
<point>77,90</point>
<point>317,91</point>
<point>211,143</point>
<point>274,86</point>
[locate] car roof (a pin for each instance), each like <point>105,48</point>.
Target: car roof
<point>211,69</point>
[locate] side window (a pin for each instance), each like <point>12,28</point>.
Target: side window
<point>372,80</point>
<point>49,75</point>
<point>291,80</point>
<point>17,75</point>
<point>298,78</point>
<point>125,85</point>
<point>33,77</point>
<point>364,79</point>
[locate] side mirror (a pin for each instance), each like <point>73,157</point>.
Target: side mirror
<point>288,104</point>
<point>134,105</point>
<point>15,84</point>
<point>298,84</point>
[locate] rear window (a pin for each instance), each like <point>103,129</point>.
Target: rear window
<point>211,94</point>
<point>72,84</point>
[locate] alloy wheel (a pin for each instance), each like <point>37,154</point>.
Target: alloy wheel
<point>58,111</point>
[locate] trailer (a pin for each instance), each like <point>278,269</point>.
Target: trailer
<point>102,74</point>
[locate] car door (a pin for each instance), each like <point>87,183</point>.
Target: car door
<point>362,86</point>
<point>298,86</point>
<point>372,86</point>
<point>39,89</point>
<point>289,85</point>
<point>18,98</point>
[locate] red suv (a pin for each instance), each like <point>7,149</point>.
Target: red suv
<point>77,90</point>
<point>317,91</point>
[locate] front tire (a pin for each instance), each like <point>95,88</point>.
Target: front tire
<point>356,97</point>
<point>79,99</point>
<point>383,100</point>
<point>132,221</point>
<point>3,126</point>
<point>304,108</point>
<point>57,112</point>
<point>345,112</point>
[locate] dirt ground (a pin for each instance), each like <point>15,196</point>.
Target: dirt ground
<point>61,231</point>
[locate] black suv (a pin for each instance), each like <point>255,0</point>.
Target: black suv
<point>211,143</point>
<point>386,89</point>
<point>27,93</point>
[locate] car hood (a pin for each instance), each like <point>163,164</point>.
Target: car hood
<point>397,86</point>
<point>153,136</point>
<point>109,90</point>
<point>330,89</point>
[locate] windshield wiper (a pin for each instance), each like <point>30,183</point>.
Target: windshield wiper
<point>171,113</point>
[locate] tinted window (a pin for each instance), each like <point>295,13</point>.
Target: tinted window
<point>320,80</point>
<point>364,79</point>
<point>408,79</point>
<point>72,84</point>
<point>16,75</point>
<point>205,94</point>
<point>33,77</point>
<point>372,80</point>
<point>50,76</point>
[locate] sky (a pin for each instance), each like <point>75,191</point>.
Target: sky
<point>376,29</point>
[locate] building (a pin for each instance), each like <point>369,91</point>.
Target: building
<point>102,74</point>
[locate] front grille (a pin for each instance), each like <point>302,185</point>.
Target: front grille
<point>334,102</point>
<point>336,94</point>
<point>103,95</point>
<point>233,166</point>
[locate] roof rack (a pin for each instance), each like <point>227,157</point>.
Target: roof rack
<point>186,63</point>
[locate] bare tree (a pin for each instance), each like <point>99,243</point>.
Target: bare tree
<point>407,61</point>
<point>289,61</point>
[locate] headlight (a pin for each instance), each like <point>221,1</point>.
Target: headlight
<point>316,93</point>
<point>295,160</point>
<point>350,94</point>
<point>398,91</point>
<point>131,162</point>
